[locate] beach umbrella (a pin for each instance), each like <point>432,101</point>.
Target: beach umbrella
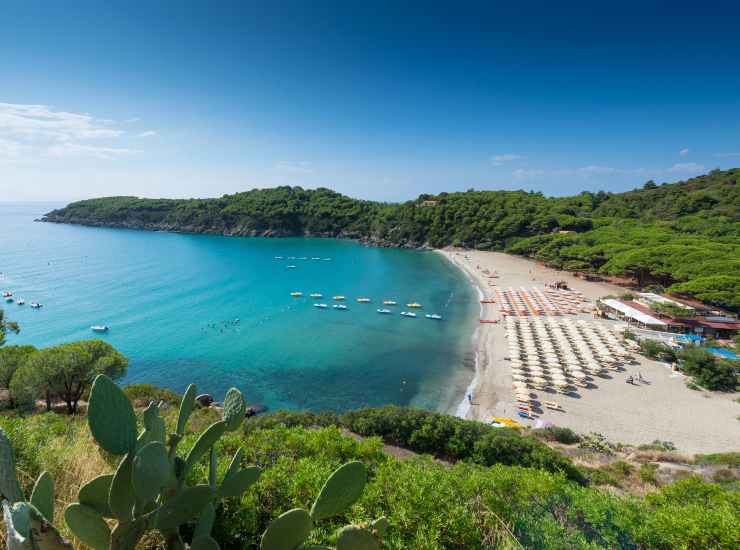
<point>578,374</point>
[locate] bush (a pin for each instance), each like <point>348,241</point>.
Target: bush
<point>649,473</point>
<point>559,434</point>
<point>656,350</point>
<point>707,370</point>
<point>453,438</point>
<point>731,459</point>
<point>658,445</point>
<point>598,443</point>
<point>291,419</point>
<point>142,394</point>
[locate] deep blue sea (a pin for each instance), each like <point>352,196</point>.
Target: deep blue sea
<point>172,300</point>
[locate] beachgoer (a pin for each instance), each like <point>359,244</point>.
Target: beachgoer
<point>470,398</point>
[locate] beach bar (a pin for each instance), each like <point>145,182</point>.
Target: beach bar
<point>631,315</point>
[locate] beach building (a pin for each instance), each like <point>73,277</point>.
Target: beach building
<point>630,313</point>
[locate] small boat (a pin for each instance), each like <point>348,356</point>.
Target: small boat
<point>339,298</point>
<point>291,257</point>
<point>384,311</point>
<point>7,294</point>
<point>363,300</point>
<point>320,306</point>
<point>296,294</point>
<point>339,306</point>
<point>325,259</point>
<point>316,295</point>
<point>315,258</point>
<point>99,328</point>
<point>36,305</point>
<point>20,301</point>
<point>278,257</point>
<point>414,305</point>
<point>408,314</point>
<point>292,267</point>
<point>434,316</point>
<point>302,258</point>
<point>389,303</point>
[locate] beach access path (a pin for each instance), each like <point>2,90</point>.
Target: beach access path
<point>662,408</point>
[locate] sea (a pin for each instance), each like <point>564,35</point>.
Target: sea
<point>218,312</point>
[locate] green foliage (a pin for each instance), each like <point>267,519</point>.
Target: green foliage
<point>145,393</point>
<point>457,439</point>
<point>657,350</point>
<point>65,372</point>
<point>11,359</point>
<point>42,496</point>
<point>685,234</point>
<point>729,459</point>
<point>559,434</point>
<point>649,473</point>
<point>6,327</point>
<point>707,370</point>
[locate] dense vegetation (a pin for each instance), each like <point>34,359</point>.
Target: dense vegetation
<point>430,505</point>
<point>683,236</point>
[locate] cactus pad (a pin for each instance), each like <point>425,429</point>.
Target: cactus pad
<point>111,417</point>
<point>42,496</point>
<point>121,497</point>
<point>353,537</point>
<point>94,494</point>
<point>204,443</point>
<point>186,407</point>
<point>340,491</point>
<point>185,506</point>
<point>88,526</point>
<point>236,484</point>
<point>204,542</point>
<point>151,471</point>
<point>234,409</point>
<point>288,531</point>
<point>8,480</point>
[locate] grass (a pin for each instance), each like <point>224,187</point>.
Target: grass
<point>731,459</point>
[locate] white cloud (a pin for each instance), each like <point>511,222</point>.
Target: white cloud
<point>498,160</point>
<point>683,152</point>
<point>79,150</point>
<point>595,169</point>
<point>686,168</point>
<point>148,133</point>
<point>29,130</point>
<point>521,173</point>
<point>294,167</point>
<point>726,155</point>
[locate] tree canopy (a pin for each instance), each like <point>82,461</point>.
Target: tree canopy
<point>681,236</point>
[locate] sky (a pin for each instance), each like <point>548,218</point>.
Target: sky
<point>378,100</point>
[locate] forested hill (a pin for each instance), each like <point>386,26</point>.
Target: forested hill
<point>683,235</point>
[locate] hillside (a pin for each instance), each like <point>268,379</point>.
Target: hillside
<point>684,236</point>
<point>494,489</point>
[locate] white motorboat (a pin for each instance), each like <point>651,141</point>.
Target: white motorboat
<point>292,267</point>
<point>384,311</point>
<point>320,306</point>
<point>316,295</point>
<point>20,301</point>
<point>36,305</point>
<point>278,257</point>
<point>7,294</point>
<point>434,316</point>
<point>339,306</point>
<point>408,314</point>
<point>99,328</point>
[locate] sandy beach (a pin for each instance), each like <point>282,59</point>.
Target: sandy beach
<point>660,408</point>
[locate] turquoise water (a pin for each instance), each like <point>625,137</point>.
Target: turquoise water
<point>171,301</point>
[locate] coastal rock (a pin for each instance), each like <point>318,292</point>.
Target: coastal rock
<point>204,400</point>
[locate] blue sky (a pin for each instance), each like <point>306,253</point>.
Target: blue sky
<point>373,99</point>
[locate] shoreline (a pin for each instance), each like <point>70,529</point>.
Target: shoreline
<point>660,407</point>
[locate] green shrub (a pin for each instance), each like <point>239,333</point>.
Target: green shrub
<point>657,350</point>
<point>290,419</point>
<point>453,438</point>
<point>559,434</point>
<point>649,473</point>
<point>707,370</point>
<point>731,459</point>
<point>658,445</point>
<point>142,394</point>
